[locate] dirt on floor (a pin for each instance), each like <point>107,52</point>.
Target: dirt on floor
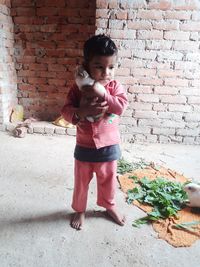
<point>36,186</point>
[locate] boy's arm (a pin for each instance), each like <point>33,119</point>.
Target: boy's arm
<point>71,106</point>
<point>117,100</point>
<point>75,110</point>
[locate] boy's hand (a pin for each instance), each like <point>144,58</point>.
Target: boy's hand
<point>91,109</point>
<point>89,91</point>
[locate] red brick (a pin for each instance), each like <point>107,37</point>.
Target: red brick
<point>166,90</point>
<point>136,4</point>
<point>173,99</point>
<point>26,59</point>
<point>22,3</point>
<point>26,87</point>
<point>123,34</point>
<point>194,100</point>
<point>186,45</point>
<point>101,3</point>
<point>45,44</point>
<point>170,73</point>
<point>176,35</point>
<point>70,28</point>
<point>140,89</point>
<point>150,81</point>
<point>47,74</point>
<point>178,15</point>
<point>37,80</point>
<point>73,52</point>
<point>176,82</point>
<point>47,88</point>
<point>69,12</point>
<point>29,28</point>
<point>57,82</point>
<point>44,11</point>
<point>48,28</point>
<point>190,26</point>
<point>166,25</point>
<point>26,73</point>
<point>122,71</point>
<point>64,75</point>
<point>37,66</point>
<point>121,15</point>
<point>78,3</point>
<point>67,61</point>
<point>147,98</point>
<point>150,14</point>
<point>102,13</point>
<point>161,5</point>
<point>153,34</point>
<point>187,5</point>
<point>179,107</point>
<point>139,25</point>
<point>28,20</point>
<point>127,80</point>
<point>56,67</point>
<point>101,23</point>
<point>143,72</point>
<point>86,12</point>
<point>25,11</point>
<point>50,3</point>
<point>56,53</point>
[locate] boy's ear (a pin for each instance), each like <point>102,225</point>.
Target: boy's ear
<point>84,65</point>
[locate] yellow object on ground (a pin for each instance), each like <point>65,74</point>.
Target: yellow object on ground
<point>60,121</point>
<point>17,114</point>
<point>166,228</point>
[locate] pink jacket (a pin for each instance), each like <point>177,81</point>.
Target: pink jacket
<point>104,132</point>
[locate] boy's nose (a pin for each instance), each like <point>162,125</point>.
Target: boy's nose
<point>106,71</point>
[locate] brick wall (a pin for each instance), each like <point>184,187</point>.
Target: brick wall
<point>159,65</point>
<point>159,60</point>
<point>49,35</point>
<point>8,87</point>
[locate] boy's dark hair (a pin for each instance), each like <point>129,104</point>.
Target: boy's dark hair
<point>99,45</point>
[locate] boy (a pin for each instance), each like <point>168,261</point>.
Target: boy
<point>97,143</point>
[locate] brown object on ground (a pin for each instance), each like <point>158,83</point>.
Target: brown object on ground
<point>166,228</point>
<point>22,128</point>
<point>20,131</point>
<point>60,121</point>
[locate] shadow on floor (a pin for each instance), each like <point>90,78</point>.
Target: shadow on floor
<point>50,218</point>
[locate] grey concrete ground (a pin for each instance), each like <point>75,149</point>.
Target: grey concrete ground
<point>36,183</point>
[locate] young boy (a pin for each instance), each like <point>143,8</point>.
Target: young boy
<point>97,143</point>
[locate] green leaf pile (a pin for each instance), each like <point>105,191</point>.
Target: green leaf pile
<point>164,196</point>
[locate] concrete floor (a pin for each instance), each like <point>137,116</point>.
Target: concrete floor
<point>36,183</point>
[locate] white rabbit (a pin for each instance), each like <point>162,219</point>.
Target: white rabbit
<point>193,192</point>
<point>82,78</point>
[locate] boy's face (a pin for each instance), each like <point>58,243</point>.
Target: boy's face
<point>102,68</point>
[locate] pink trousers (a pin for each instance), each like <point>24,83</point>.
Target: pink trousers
<point>106,173</point>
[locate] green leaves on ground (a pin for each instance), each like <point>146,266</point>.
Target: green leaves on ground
<point>189,226</point>
<point>124,166</point>
<point>164,196</point>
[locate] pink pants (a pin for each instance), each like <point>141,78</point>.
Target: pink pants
<point>106,173</point>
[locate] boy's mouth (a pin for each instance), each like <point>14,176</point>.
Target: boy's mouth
<point>105,79</point>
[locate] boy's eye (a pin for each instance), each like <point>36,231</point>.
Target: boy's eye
<point>99,67</point>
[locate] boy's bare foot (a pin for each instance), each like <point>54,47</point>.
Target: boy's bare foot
<point>77,220</point>
<point>117,217</point>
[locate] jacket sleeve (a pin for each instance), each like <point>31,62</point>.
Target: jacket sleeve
<point>71,105</point>
<point>117,99</point>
